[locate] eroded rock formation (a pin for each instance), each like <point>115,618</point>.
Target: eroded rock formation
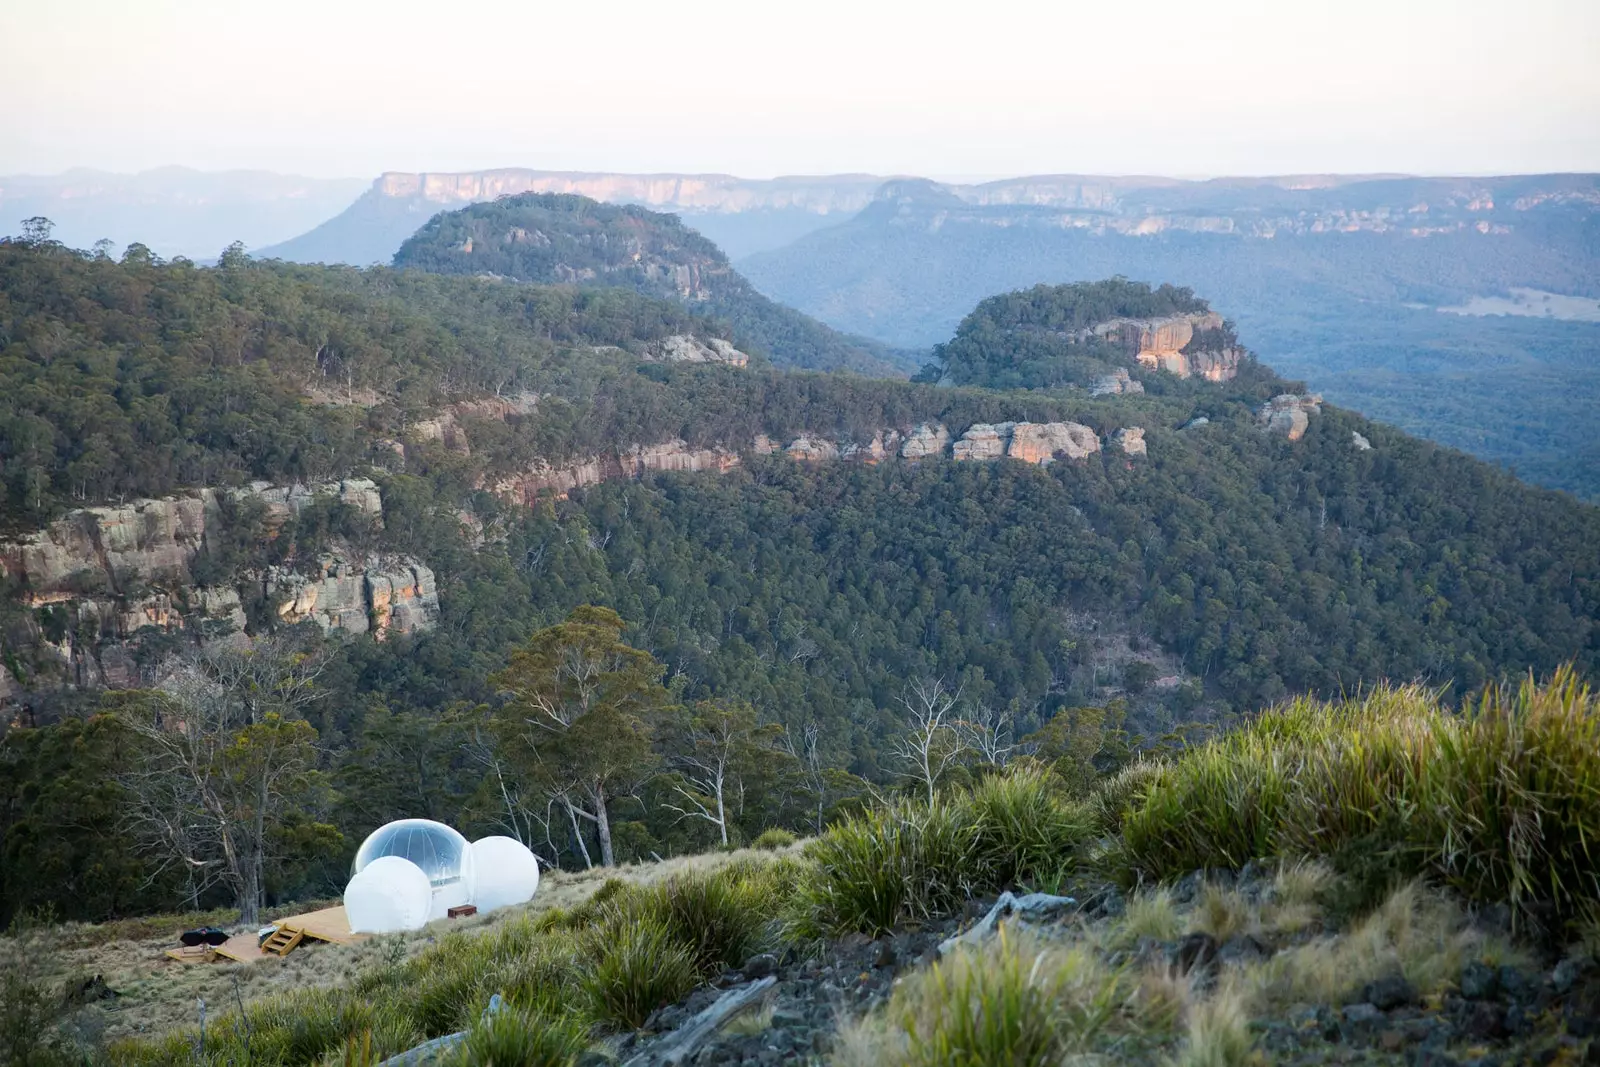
<point>1030,442</point>
<point>1130,439</point>
<point>1115,383</point>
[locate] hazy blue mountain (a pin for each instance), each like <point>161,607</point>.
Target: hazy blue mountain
<point>174,210</point>
<point>1336,281</point>
<point>741,216</point>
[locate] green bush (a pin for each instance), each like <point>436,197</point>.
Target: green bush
<point>513,1038</point>
<point>1502,801</point>
<point>715,916</point>
<point>640,967</point>
<point>773,838</point>
<point>1027,833</point>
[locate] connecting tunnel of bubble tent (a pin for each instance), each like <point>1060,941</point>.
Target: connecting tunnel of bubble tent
<point>505,873</point>
<point>442,854</point>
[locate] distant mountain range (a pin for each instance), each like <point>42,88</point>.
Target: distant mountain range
<point>743,216</point>
<point>1340,282</point>
<point>174,210</point>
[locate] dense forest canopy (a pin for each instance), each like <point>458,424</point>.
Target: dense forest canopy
<point>563,238</point>
<point>1247,565</point>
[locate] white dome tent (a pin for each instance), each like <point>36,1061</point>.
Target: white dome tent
<point>399,858</point>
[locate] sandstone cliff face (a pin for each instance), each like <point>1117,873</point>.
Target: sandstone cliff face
<point>1130,439</point>
<point>1116,383</point>
<point>926,440</point>
<point>703,192</point>
<point>100,580</point>
<point>1161,344</point>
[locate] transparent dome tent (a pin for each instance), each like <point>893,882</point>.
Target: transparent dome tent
<point>441,852</point>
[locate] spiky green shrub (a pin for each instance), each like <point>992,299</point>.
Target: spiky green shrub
<point>1014,1002</point>
<point>773,838</point>
<point>1502,801</point>
<point>904,862</point>
<point>717,916</point>
<point>1514,797</point>
<point>1119,793</point>
<point>639,967</point>
<point>513,1038</point>
<point>1026,832</point>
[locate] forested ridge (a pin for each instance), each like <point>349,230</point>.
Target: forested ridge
<point>805,600</point>
<point>563,238</point>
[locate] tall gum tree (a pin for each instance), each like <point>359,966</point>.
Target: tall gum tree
<point>577,716</point>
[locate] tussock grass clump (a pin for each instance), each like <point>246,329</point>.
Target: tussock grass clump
<point>1026,833</point>
<point>1118,793</point>
<point>1219,1033</point>
<point>512,1038</point>
<point>1152,914</point>
<point>910,861</point>
<point>720,919</point>
<point>1014,1000</point>
<point>1501,802</point>
<point>1416,933</point>
<point>905,862</point>
<point>641,966</point>
<point>773,838</point>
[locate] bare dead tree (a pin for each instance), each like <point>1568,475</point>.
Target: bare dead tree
<point>705,756</point>
<point>223,755</point>
<point>990,731</point>
<point>934,742</point>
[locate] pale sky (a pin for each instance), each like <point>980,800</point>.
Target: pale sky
<point>758,88</point>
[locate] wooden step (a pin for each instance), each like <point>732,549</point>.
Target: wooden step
<point>283,941</point>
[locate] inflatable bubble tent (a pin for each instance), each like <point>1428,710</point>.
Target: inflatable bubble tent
<point>409,872</point>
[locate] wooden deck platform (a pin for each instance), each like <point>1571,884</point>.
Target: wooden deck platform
<point>329,924</point>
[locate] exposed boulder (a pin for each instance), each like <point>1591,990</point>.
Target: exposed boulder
<point>1360,441</point>
<point>685,348</point>
<point>1195,423</point>
<point>983,440</point>
<point>1115,383</point>
<point>1131,440</point>
<point>1289,414</point>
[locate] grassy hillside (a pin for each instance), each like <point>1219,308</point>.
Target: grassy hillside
<point>556,238</point>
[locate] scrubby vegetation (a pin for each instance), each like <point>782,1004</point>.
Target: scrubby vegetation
<point>1492,806</point>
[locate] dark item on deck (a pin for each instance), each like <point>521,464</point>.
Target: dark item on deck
<point>205,935</point>
<point>461,911</point>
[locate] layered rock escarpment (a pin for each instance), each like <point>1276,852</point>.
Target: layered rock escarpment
<point>1039,443</point>
<point>100,580</point>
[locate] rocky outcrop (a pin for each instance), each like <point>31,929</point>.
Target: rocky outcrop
<point>675,455</point>
<point>392,594</point>
<point>1289,414</point>
<point>685,348</point>
<point>884,444</point>
<point>810,449</point>
<point>102,580</point>
<point>1169,344</point>
<point>1030,442</point>
<point>1130,439</point>
<point>1115,383</point>
<point>1360,442</point>
<point>925,440</point>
